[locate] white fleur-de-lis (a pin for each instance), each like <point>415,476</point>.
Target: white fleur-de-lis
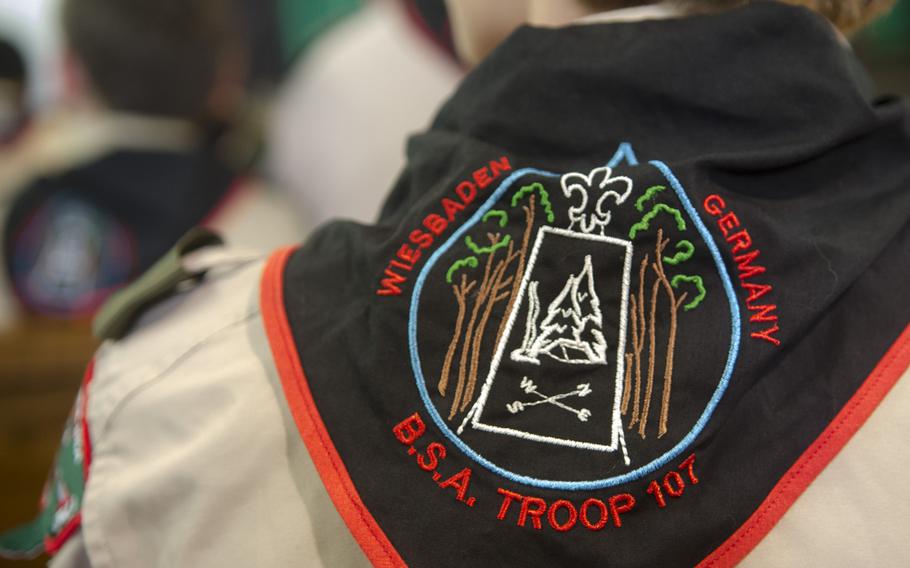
<point>602,189</point>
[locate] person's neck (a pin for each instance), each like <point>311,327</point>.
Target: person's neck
<point>546,13</point>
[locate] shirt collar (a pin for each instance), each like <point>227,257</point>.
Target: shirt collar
<point>661,11</point>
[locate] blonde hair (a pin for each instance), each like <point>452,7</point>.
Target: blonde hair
<point>847,15</point>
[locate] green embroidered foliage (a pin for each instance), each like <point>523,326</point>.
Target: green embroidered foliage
<point>645,222</point>
<point>470,262</point>
<point>686,250</point>
<point>502,215</point>
<point>486,250</point>
<point>699,284</point>
<point>544,198</point>
<point>648,195</point>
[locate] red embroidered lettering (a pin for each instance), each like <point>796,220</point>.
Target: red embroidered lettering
<point>746,269</point>
<point>500,165</point>
<point>767,335</point>
<point>410,429</point>
<point>689,464</point>
<point>765,313</point>
<point>570,522</point>
<point>540,507</point>
<point>403,266</point>
<point>727,222</point>
<point>460,481</point>
<point>756,291</point>
<point>421,239</point>
<point>508,497</point>
<point>674,484</point>
<point>435,224</point>
<point>482,177</point>
<point>604,515</point>
<point>715,205</point>
<point>741,241</point>
<point>435,452</point>
<point>389,286</point>
<point>466,191</point>
<point>451,208</point>
<point>622,503</point>
<point>654,489</point>
<point>408,254</point>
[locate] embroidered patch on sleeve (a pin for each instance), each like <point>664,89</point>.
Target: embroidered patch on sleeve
<point>567,305</point>
<point>61,500</point>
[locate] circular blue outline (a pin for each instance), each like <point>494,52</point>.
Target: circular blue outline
<point>577,485</point>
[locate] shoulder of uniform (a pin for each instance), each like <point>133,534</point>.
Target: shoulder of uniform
<point>172,273</point>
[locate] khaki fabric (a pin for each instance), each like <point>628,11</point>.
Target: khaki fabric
<point>857,512</point>
<point>192,447</point>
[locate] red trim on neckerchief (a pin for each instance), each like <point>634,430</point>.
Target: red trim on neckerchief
<point>816,457</point>
<point>52,545</point>
<point>325,457</point>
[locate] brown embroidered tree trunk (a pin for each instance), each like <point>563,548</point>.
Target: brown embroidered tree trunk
<point>479,300</point>
<point>638,334</point>
<point>496,295</point>
<point>461,292</point>
<point>627,385</point>
<point>522,262</point>
<point>675,303</point>
<point>652,355</point>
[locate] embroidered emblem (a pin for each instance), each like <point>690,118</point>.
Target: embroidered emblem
<point>62,497</point>
<point>68,257</point>
<point>553,325</point>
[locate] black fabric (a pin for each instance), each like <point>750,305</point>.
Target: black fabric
<point>758,106</point>
<point>154,197</point>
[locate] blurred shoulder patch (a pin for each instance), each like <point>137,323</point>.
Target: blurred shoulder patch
<point>66,256</point>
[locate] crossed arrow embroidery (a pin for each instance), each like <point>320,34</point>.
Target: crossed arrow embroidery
<point>529,387</point>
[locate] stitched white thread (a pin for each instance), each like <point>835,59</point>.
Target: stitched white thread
<point>597,219</point>
<point>552,339</point>
<point>529,387</point>
<point>617,439</point>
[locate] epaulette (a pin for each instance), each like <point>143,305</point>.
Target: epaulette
<point>120,312</point>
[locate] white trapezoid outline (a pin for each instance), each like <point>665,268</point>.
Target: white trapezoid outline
<point>617,440</point>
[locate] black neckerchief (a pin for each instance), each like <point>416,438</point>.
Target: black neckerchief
<point>743,141</point>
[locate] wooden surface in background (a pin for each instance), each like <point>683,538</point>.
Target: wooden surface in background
<point>41,368</point>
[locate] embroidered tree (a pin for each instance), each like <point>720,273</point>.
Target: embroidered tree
<point>527,198</point>
<point>492,291</point>
<point>460,291</point>
<point>572,331</point>
<point>478,296</point>
<point>643,308</point>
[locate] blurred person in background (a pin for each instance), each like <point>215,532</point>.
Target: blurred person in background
<point>217,429</point>
<point>151,145</point>
<point>13,106</point>
<point>355,92</point>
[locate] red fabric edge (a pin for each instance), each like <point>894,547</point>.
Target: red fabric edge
<point>375,544</point>
<point>52,545</point>
<point>816,457</point>
<point>86,434</point>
